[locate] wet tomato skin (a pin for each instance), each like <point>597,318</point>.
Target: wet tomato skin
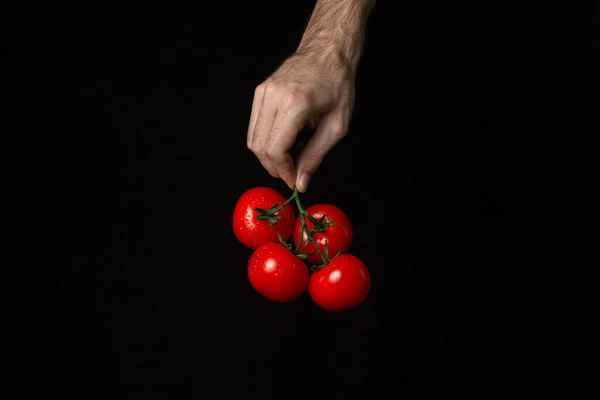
<point>277,274</point>
<point>252,232</point>
<point>342,284</point>
<point>338,237</point>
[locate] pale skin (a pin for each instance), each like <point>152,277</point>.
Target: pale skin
<point>313,87</point>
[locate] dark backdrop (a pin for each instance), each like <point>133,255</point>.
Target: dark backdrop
<point>131,156</point>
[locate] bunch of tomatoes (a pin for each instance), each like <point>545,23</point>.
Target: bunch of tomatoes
<point>315,258</point>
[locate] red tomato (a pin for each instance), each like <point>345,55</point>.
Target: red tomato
<point>340,285</point>
<point>338,237</point>
<point>252,232</point>
<point>277,274</point>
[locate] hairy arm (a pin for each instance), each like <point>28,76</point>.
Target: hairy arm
<point>315,87</point>
<point>336,30</point>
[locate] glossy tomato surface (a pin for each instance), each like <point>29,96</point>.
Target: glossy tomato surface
<point>252,232</point>
<point>277,274</point>
<point>338,237</point>
<point>344,283</point>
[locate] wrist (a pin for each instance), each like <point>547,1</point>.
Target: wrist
<point>333,56</point>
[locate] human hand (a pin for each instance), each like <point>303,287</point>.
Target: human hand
<point>308,89</point>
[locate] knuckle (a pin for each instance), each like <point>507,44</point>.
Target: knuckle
<point>270,89</point>
<point>258,149</point>
<point>254,147</point>
<point>338,128</point>
<point>259,90</point>
<point>273,154</point>
<point>294,99</point>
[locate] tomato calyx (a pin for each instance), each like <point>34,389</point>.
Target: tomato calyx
<point>321,223</point>
<point>269,215</point>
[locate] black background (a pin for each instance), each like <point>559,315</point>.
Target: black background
<point>132,154</point>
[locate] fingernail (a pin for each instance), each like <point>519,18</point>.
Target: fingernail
<point>303,182</point>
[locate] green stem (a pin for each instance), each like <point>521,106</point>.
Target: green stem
<point>271,216</point>
<point>303,216</point>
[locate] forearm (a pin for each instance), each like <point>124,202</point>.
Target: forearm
<point>336,29</point>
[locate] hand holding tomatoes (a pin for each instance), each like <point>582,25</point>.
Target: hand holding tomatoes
<point>322,234</point>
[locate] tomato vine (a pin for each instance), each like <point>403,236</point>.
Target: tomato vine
<point>319,226</point>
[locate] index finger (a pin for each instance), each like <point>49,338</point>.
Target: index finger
<point>281,140</point>
<point>259,93</point>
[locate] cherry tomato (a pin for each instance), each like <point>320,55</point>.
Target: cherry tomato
<point>338,237</point>
<point>342,284</point>
<point>277,274</point>
<point>252,232</point>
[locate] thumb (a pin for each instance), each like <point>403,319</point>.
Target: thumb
<point>330,131</point>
